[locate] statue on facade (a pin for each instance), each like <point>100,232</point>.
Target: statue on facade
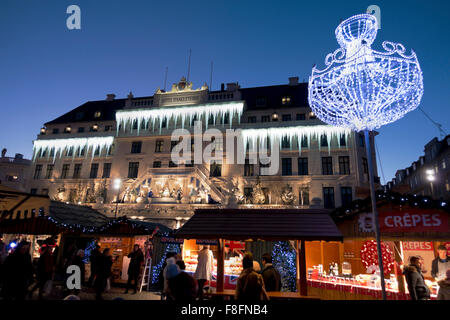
<point>287,195</point>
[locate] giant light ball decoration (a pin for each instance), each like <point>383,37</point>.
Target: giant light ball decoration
<point>361,88</point>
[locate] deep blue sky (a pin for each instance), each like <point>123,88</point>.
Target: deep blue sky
<point>47,70</point>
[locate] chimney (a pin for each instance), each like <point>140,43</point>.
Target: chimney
<point>18,156</point>
<point>110,96</point>
<point>222,87</point>
<point>293,81</point>
<point>233,86</point>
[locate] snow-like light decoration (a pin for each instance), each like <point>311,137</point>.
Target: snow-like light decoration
<point>369,255</point>
<point>75,144</point>
<point>361,88</point>
<point>252,136</point>
<point>179,115</point>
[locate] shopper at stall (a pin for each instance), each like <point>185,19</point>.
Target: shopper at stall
<point>103,273</point>
<point>444,287</point>
<point>44,270</point>
<point>441,264</point>
<point>182,287</point>
<point>250,285</point>
<point>204,269</point>
<point>271,276</point>
<point>169,261</point>
<point>417,288</point>
<point>134,268</point>
<point>18,272</point>
<point>94,259</point>
<point>79,261</point>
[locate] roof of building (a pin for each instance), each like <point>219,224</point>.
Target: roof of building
<point>266,224</point>
<point>272,94</point>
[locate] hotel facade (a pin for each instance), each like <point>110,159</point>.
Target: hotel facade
<point>116,154</point>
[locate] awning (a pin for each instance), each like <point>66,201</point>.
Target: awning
<point>264,224</point>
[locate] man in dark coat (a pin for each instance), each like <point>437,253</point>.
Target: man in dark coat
<point>134,268</point>
<point>271,276</point>
<point>18,272</point>
<point>94,259</point>
<point>182,287</point>
<point>417,288</point>
<point>105,263</point>
<point>250,285</point>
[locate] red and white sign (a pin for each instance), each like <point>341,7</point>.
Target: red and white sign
<point>419,248</point>
<point>413,220</point>
<point>418,245</point>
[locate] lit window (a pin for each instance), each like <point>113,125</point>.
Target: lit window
<point>97,114</point>
<point>286,100</point>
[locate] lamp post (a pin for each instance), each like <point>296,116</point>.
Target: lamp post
<point>363,89</point>
<point>431,177</point>
<point>117,185</point>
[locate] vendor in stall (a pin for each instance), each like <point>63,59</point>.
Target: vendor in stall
<point>441,264</point>
<point>230,253</point>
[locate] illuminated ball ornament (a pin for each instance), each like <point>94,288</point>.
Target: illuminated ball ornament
<point>369,255</point>
<point>361,88</point>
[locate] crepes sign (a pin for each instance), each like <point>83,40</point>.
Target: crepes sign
<point>413,220</point>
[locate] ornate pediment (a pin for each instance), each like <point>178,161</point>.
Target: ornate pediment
<point>181,93</point>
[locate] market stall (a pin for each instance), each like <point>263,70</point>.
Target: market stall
<point>409,225</point>
<point>245,225</point>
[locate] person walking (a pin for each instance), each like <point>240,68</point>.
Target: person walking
<point>444,287</point>
<point>204,269</point>
<point>44,271</point>
<point>182,287</point>
<point>94,259</point>
<point>18,272</point>
<point>271,276</point>
<point>250,284</point>
<point>417,288</point>
<point>441,264</point>
<point>134,268</point>
<point>103,273</point>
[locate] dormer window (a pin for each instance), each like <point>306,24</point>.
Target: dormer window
<point>94,127</point>
<point>261,101</point>
<point>68,129</point>
<point>43,130</point>
<point>312,115</point>
<point>286,100</point>
<point>97,114</point>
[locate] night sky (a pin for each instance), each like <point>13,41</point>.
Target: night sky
<point>47,70</point>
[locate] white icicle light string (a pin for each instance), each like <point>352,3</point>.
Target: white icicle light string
<point>205,111</point>
<point>300,132</point>
<point>76,144</point>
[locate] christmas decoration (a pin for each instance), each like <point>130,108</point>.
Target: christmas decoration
<point>284,260</point>
<point>369,255</point>
<point>157,269</point>
<point>258,196</point>
<point>287,196</point>
<point>127,118</point>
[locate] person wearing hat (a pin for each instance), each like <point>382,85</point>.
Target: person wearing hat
<point>444,287</point>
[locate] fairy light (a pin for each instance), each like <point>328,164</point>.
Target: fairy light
<point>179,115</point>
<point>361,88</point>
<point>74,144</point>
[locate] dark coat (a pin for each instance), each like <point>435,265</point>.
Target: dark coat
<point>103,271</point>
<point>183,287</point>
<point>78,261</point>
<point>417,288</point>
<point>250,286</point>
<point>137,258</point>
<point>18,271</point>
<point>444,290</point>
<point>272,278</point>
<point>94,259</point>
<point>45,266</point>
<point>435,267</point>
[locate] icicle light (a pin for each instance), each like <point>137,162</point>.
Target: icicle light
<point>75,144</point>
<point>252,136</point>
<point>179,115</point>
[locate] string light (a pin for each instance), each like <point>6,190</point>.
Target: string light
<point>361,88</point>
<point>284,260</point>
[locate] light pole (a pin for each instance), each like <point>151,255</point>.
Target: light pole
<point>431,177</point>
<point>117,185</point>
<point>363,89</point>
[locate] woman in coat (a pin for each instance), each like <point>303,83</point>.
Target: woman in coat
<point>204,269</point>
<point>417,288</point>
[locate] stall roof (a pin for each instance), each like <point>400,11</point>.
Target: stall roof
<point>125,226</point>
<point>266,224</point>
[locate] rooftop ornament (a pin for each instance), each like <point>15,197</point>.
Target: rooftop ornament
<point>363,89</point>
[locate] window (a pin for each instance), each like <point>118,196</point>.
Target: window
<point>82,151</point>
<point>218,143</point>
<point>49,173</point>
<point>286,166</point>
<point>68,129</point>
<point>251,119</point>
<point>344,165</point>
<point>80,129</point>
<point>312,116</point>
<point>249,169</point>
<point>97,114</point>
<point>77,171</point>
<point>304,143</point>
<point>323,141</point>
<point>97,152</point>
<point>69,152</point>
<point>285,143</point>
<point>366,166</point>
<point>286,117</point>
<point>135,125</point>
<point>106,170</point>
<point>302,166</point>
<point>79,115</point>
<point>261,166</point>
<point>133,169</point>
<point>44,192</point>
<point>159,145</point>
<point>226,119</point>
<point>164,123</point>
<point>33,191</point>
<point>342,141</point>
<point>136,146</point>
<point>65,170</point>
<point>156,164</point>
<point>300,116</point>
<point>346,195</point>
<point>108,128</point>
<point>327,165</point>
<point>328,197</point>
<point>361,140</point>
<point>286,100</point>
<point>172,164</point>
<point>261,101</point>
<point>94,171</point>
<point>37,171</point>
<point>303,197</point>
<point>215,169</point>
<point>265,118</point>
<point>55,131</point>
